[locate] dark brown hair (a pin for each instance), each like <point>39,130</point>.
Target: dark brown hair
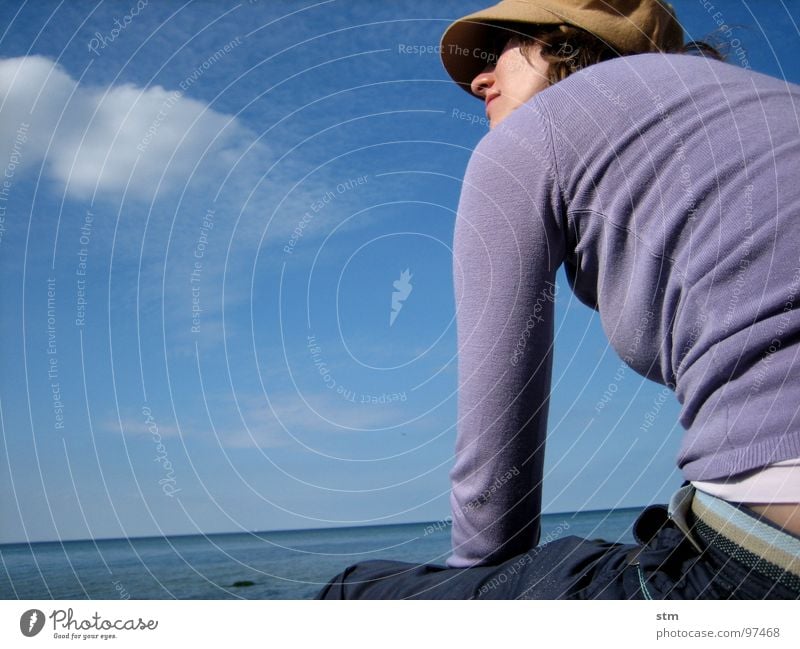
<point>568,49</point>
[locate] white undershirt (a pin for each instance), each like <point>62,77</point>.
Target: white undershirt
<point>775,483</point>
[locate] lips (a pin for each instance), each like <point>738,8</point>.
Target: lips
<point>489,100</point>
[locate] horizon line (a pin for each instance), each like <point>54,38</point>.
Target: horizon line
<point>440,521</point>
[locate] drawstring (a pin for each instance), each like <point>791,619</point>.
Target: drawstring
<point>633,560</point>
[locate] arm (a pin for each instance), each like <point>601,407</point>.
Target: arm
<point>508,243</point>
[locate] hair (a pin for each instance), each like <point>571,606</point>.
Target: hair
<point>567,48</point>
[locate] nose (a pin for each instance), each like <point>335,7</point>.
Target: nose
<point>482,82</point>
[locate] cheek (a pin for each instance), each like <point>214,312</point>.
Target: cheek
<point>526,87</point>
<point>521,79</point>
<point>537,79</point>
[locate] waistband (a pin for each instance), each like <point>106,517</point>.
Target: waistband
<point>741,535</point>
<point>778,482</point>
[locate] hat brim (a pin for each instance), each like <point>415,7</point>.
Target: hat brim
<point>467,45</point>
<point>626,26</point>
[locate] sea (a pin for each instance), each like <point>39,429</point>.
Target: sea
<point>290,564</point>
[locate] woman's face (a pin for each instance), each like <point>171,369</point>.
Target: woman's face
<point>509,83</point>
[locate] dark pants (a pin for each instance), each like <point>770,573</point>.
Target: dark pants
<point>663,564</point>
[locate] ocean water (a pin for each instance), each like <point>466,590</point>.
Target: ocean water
<point>292,564</point>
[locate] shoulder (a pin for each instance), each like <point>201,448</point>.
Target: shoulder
<point>513,172</point>
<point>522,137</point>
<point>630,101</point>
<point>648,69</point>
<point>633,81</point>
<point>517,153</point>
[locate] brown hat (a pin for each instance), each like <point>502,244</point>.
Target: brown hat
<point>627,26</point>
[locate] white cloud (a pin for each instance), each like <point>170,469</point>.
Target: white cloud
<point>310,417</point>
<point>104,139</point>
<point>286,421</point>
<point>133,427</point>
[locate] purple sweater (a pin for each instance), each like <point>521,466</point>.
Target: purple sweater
<point>669,187</point>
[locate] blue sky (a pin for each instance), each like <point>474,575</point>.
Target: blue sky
<point>207,206</point>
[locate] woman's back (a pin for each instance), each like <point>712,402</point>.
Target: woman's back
<point>681,214</point>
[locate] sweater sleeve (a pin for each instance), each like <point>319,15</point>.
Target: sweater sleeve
<point>508,244</point>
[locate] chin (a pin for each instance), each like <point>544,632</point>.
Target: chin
<point>494,121</point>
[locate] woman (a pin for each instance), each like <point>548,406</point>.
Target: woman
<point>666,185</point>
